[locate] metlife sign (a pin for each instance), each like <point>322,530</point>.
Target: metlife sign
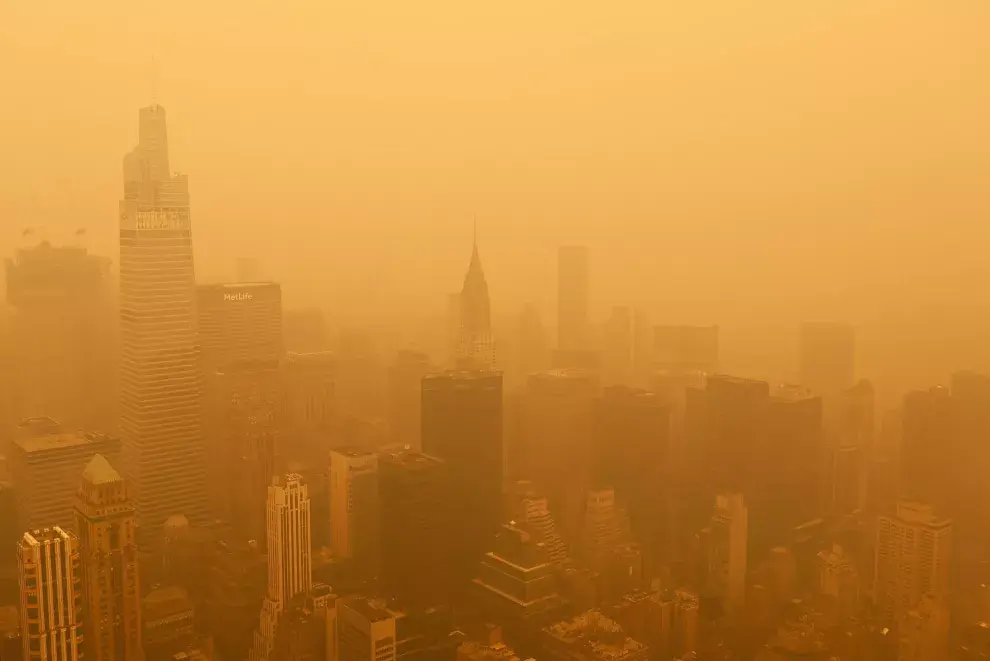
<point>238,296</point>
<point>162,219</point>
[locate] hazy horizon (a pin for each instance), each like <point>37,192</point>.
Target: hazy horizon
<point>747,166</point>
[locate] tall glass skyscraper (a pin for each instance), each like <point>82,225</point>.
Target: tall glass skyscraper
<point>160,379</point>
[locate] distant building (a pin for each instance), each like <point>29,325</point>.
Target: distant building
<point>310,393</point>
<point>108,553</point>
<point>927,431</point>
<point>304,630</point>
<point>476,346</point>
<point>827,357</point>
<point>406,397</point>
<point>924,631</point>
<point>64,331</point>
<point>572,297</point>
<point>619,347</point>
<point>590,636</point>
<point>239,322</point>
<point>51,600</point>
<point>531,508</point>
<point>913,551</point>
<point>45,465</point>
<point>462,424</point>
<point>685,349</point>
<point>354,511</point>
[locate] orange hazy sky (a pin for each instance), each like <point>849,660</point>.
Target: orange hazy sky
<point>781,159</point>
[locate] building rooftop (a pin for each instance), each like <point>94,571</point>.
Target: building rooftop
<point>372,609</point>
<point>598,635</point>
<point>59,441</point>
<point>353,451</point>
<point>411,459</point>
<point>99,471</point>
<point>463,375</point>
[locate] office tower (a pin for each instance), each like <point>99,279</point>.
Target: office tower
<point>683,349</point>
<point>967,461</point>
<point>310,394</point>
<point>618,354</point>
<point>590,636</point>
<point>366,629</point>
<point>725,429</point>
<point>406,397</point>
<point>572,298</point>
<point>243,407</point>
<point>912,559</point>
<point>290,562</point>
<point>354,513</point>
<point>827,361</point>
<point>557,439</point>
<point>516,579</point>
<point>239,322</point>
<point>160,385</point>
<point>475,348</point>
<point>727,551</point>
<point>417,528</point>
<point>788,486</point>
<point>631,453</point>
<point>305,331</point>
<point>927,447</point>
<point>302,632</point>
<point>851,449</point>
<point>838,580</point>
<point>45,464</point>
<point>62,314</point>
<point>235,584</point>
<point>462,424</point>
<point>109,564</point>
<point>51,600</point>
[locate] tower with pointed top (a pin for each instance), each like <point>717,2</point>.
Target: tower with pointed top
<point>109,564</point>
<point>475,347</point>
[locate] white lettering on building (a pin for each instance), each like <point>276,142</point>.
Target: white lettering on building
<point>239,296</point>
<point>162,219</point>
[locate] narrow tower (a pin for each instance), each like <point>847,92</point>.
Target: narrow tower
<point>475,347</point>
<point>109,564</point>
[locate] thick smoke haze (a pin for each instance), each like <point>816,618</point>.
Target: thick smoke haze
<point>752,164</point>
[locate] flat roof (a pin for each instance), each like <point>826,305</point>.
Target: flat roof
<point>63,441</point>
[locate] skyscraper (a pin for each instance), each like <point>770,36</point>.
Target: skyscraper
<point>240,328</point>
<point>572,298</point>
<point>727,552</point>
<point>160,385</point>
<point>416,528</point>
<point>62,304</point>
<point>476,347</point>
<point>354,512</point>
<point>45,464</point>
<point>290,563</point>
<point>912,559</point>
<point>51,601</point>
<point>462,424</point>
<point>109,564</point>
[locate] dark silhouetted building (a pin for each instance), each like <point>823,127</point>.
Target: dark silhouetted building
<point>417,528</point>
<point>462,424</point>
<point>355,517</point>
<point>476,347</point>
<point>632,455</point>
<point>827,357</point>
